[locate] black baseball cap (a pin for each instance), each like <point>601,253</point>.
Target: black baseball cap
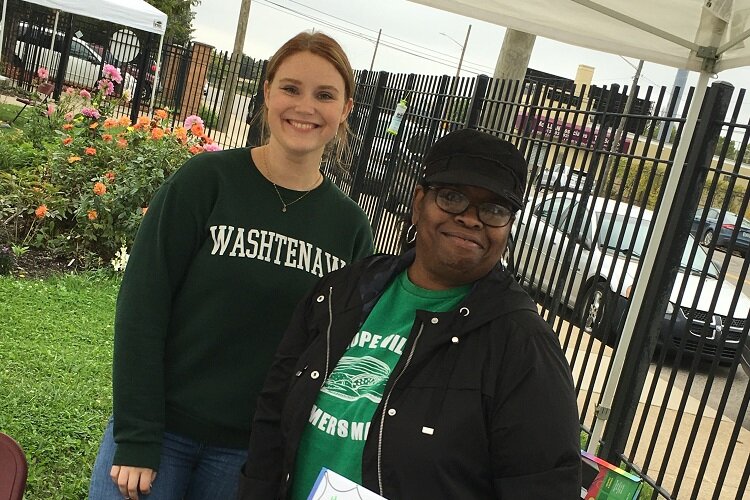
<point>475,158</point>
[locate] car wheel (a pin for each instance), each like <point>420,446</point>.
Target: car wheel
<point>595,314</point>
<point>707,238</point>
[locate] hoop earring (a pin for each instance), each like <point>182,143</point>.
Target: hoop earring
<point>411,237</point>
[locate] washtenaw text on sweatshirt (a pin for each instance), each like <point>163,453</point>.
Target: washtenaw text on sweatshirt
<point>272,247</point>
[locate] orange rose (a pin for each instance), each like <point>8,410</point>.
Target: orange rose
<point>109,123</point>
<point>67,126</point>
<point>122,143</point>
<point>181,134</point>
<point>110,176</point>
<point>40,211</point>
<point>74,159</point>
<point>195,149</point>
<point>100,189</point>
<point>92,214</point>
<point>161,114</point>
<point>90,151</point>
<point>157,133</point>
<point>196,129</point>
<point>106,137</point>
<point>94,125</point>
<point>124,121</point>
<point>67,140</point>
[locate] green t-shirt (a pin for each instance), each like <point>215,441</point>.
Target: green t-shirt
<point>340,419</point>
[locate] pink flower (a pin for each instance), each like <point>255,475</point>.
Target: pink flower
<point>42,73</point>
<point>193,119</point>
<point>85,94</point>
<point>106,86</point>
<point>50,109</point>
<point>112,73</point>
<point>70,90</point>
<point>69,116</point>
<point>211,147</point>
<point>90,113</point>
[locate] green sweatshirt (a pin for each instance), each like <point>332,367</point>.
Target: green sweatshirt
<point>213,277</point>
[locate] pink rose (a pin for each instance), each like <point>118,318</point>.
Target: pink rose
<point>42,73</point>
<point>112,73</point>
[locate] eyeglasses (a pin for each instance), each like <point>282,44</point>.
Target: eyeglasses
<point>455,202</point>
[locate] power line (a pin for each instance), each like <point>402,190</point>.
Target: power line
<point>420,51</point>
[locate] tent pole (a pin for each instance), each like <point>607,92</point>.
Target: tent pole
<point>660,221</point>
<point>156,77</point>
<point>52,43</point>
<point>2,29</point>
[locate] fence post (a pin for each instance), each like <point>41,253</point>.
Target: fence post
<point>143,66</point>
<point>477,101</point>
<point>658,288</point>
<point>365,149</point>
<point>255,133</point>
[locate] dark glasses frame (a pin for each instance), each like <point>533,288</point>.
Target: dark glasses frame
<point>487,211</point>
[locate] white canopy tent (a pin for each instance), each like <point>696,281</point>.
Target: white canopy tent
<point>132,13</point>
<point>707,36</point>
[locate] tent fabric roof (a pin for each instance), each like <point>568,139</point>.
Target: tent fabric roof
<point>132,13</point>
<point>578,22</point>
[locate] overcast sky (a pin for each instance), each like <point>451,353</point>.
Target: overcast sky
<point>415,39</point>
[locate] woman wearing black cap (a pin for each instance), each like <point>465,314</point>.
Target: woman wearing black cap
<point>429,375</point>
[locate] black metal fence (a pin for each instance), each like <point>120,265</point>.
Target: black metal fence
<point>677,415</point>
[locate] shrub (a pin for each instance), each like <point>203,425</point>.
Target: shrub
<point>84,193</point>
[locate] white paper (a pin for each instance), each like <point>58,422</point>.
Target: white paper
<point>333,486</point>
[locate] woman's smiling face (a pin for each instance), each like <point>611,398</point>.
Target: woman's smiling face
<point>454,249</point>
<point>306,103</point>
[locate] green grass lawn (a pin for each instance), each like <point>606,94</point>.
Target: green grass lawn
<point>55,375</point>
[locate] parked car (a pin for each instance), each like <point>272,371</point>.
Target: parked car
<point>561,176</point>
<point>84,66</point>
<point>721,230</point>
<point>606,256</point>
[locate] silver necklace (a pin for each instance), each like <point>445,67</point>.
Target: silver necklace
<point>284,204</point>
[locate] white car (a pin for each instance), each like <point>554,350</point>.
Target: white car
<point>84,66</point>
<point>562,177</point>
<point>605,259</point>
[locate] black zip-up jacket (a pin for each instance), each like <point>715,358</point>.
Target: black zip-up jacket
<point>481,404</point>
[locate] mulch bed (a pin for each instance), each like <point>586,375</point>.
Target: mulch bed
<point>38,264</point>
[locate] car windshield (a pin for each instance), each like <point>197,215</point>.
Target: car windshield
<point>617,233</point>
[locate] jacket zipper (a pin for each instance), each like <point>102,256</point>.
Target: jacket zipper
<point>328,359</point>
<point>385,409</point>
<point>328,334</point>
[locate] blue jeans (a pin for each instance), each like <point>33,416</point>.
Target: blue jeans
<point>189,470</point>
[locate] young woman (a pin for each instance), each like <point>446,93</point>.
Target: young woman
<point>229,245</point>
<point>428,375</point>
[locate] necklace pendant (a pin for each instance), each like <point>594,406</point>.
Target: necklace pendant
<point>283,209</point>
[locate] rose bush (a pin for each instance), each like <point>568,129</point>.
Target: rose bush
<point>93,174</point>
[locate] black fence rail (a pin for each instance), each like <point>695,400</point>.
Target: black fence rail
<point>598,170</point>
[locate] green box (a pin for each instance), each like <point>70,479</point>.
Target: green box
<point>611,483</point>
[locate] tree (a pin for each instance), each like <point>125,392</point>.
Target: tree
<point>180,23</point>
<point>731,149</point>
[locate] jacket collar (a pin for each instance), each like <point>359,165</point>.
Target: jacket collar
<point>491,297</point>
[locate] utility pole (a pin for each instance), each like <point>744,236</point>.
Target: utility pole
<point>230,89</point>
<point>372,63</point>
<point>449,109</point>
